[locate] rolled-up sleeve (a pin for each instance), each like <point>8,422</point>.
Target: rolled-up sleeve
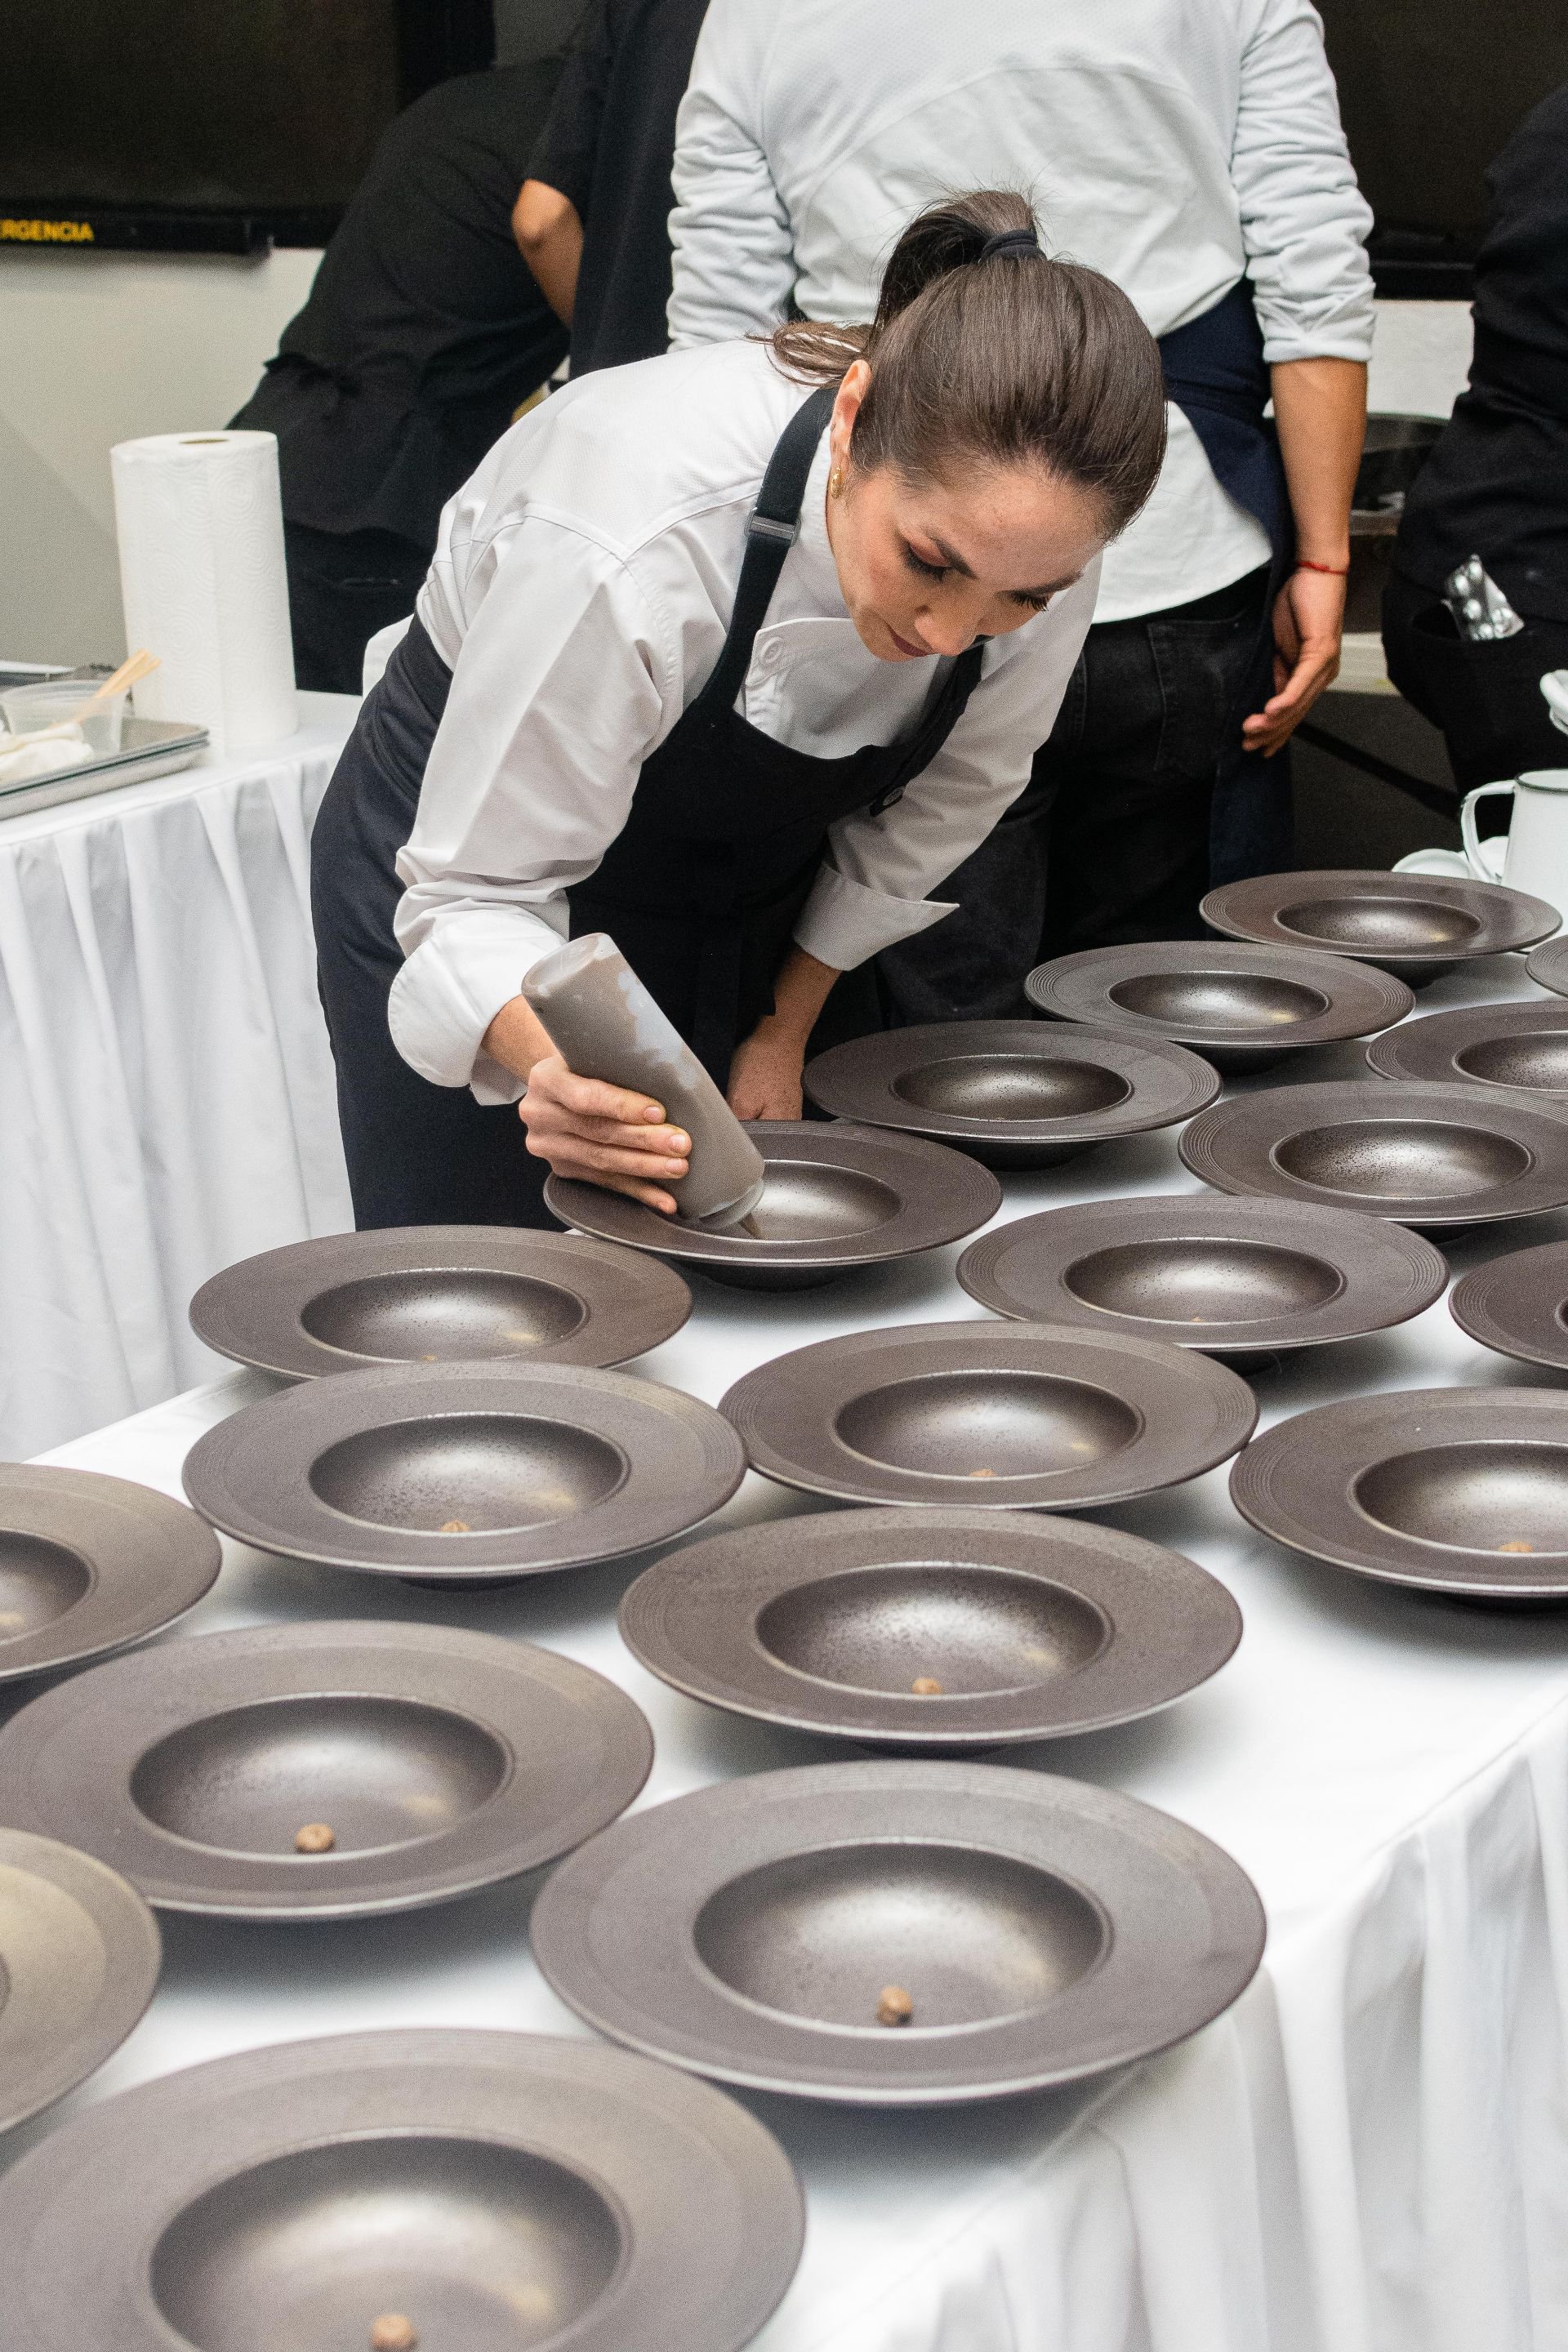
<point>874,886</point>
<point>565,679</point>
<point>733,249</point>
<point>1303,219</point>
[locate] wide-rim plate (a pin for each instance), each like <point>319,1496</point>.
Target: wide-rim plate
<point>711,2231</point>
<point>1428,1051</point>
<point>80,1955</point>
<point>1503,918</point>
<point>1358,998</point>
<point>1517,1304</point>
<point>941,1196</point>
<point>573,1752</point>
<point>1385,1272</point>
<point>1190,1412</point>
<point>253,1312</point>
<point>1234,1146</point>
<point>1297,1483</point>
<point>1548,965</point>
<point>1183,1929</point>
<point>861,1081</point>
<point>251,1476</point>
<point>140,1558</point>
<point>693,1619</point>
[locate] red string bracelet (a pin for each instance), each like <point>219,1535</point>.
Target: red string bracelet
<point>1334,571</point>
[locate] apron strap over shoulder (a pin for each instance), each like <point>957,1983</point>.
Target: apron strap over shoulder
<point>771,533</point>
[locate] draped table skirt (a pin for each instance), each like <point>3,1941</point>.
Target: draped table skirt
<point>167,1096</point>
<point>1368,2154</point>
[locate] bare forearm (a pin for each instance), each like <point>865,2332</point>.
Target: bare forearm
<point>550,239</point>
<point>1319,407</point>
<point>800,991</point>
<point>517,1038</point>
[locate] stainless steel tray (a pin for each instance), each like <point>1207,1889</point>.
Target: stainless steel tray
<point>149,747</point>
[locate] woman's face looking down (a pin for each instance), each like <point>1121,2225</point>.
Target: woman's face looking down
<point>925,568</point>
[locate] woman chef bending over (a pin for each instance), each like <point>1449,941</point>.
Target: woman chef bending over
<point>735,655</point>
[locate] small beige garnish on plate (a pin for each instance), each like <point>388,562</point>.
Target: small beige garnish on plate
<point>316,1837</point>
<point>926,1686</point>
<point>454,1528</point>
<point>894,2006</point>
<point>1518,1545</point>
<point>393,2332</point>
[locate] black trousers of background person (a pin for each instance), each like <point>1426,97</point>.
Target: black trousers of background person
<point>1486,698</point>
<point>342,587</point>
<point>1110,841</point>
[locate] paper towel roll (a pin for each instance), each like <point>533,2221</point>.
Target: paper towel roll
<point>200,523</point>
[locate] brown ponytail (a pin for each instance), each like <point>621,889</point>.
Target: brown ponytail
<point>1013,359</point>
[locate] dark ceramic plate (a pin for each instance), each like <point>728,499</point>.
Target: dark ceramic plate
<point>1519,1304</point>
<point>1425,1156</point>
<point>441,1762</point>
<point>1453,1490</point>
<point>79,1961</point>
<point>1043,1930</point>
<point>500,2192</point>
<point>1029,1628</point>
<point>837,1196</point>
<point>90,1564</point>
<point>465,1473</point>
<point>1236,1279</point>
<point>1548,966</point>
<point>1016,1094</point>
<point>439,1293</point>
<point>1415,925</point>
<point>1007,1416</point>
<point>1521,1045</point>
<point>1239,1005</point>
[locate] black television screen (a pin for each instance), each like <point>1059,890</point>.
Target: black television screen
<point>197,122</point>
<point>1430,91</point>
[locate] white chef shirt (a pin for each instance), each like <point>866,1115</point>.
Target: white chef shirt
<point>581,593</point>
<point>1174,145</point>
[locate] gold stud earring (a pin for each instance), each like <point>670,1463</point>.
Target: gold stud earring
<point>835,483</point>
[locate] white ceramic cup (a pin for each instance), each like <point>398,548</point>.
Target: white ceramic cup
<point>1537,858</point>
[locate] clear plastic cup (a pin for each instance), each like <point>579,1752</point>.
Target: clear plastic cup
<point>27,707</point>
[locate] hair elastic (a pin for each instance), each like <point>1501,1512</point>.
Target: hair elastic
<point>1009,240</point>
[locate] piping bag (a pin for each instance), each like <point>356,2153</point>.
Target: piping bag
<point>606,1025</point>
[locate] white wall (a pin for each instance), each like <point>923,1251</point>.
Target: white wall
<point>94,348</point>
<point>97,346</point>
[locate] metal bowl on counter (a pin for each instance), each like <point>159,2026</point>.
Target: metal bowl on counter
<point>1015,1094</point>
<point>79,1956</point>
<point>1519,1045</point>
<point>1517,1304</point>
<point>439,1293</point>
<point>899,1933</point>
<point>464,1474</point>
<point>1009,1416</point>
<point>1427,1156</point>
<point>1458,1491</point>
<point>324,1772</point>
<point>1415,925</point>
<point>1239,1005</point>
<point>497,2192</point>
<point>1238,1279</point>
<point>957,1630</point>
<point>835,1196</point>
<point>90,1564</point>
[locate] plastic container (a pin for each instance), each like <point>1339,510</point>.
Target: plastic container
<point>27,707</point>
<point>606,1025</point>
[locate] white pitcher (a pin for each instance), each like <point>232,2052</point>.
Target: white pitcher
<point>1537,858</point>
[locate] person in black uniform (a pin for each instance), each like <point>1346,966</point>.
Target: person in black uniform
<point>593,215</point>
<point>1496,485</point>
<point>424,331</point>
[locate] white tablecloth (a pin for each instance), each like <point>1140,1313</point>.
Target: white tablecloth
<point>166,1099</point>
<point>1370,2154</point>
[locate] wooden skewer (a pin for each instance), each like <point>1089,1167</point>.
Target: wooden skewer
<point>131,671</point>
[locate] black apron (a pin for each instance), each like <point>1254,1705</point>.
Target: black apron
<point>700,891</point>
<point>1217,374</point>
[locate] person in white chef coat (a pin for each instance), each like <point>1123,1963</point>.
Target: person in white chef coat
<point>1192,149</point>
<point>735,655</point>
